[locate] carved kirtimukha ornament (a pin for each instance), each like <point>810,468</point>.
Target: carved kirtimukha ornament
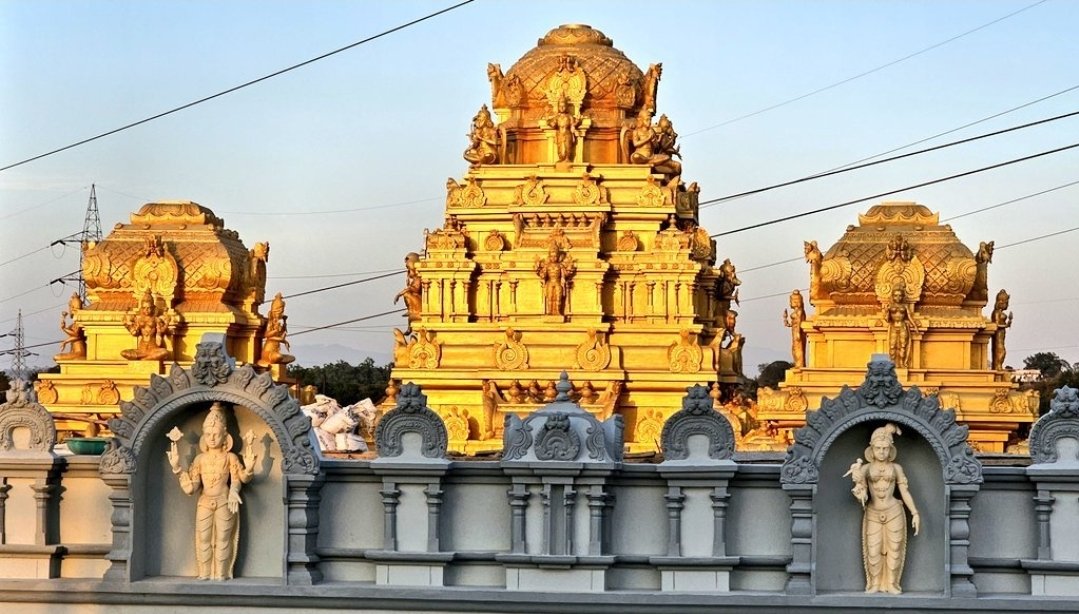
<point>884,523</point>
<point>219,474</point>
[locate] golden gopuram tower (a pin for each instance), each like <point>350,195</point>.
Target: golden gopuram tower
<point>154,288</point>
<point>901,283</point>
<point>571,243</point>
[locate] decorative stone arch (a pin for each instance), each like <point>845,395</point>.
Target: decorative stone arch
<point>213,377</point>
<point>1062,422</point>
<point>23,411</point>
<point>880,398</point>
<point>411,415</point>
<point>697,417</point>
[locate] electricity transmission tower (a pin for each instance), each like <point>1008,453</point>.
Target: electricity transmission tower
<point>90,234</point>
<point>19,353</point>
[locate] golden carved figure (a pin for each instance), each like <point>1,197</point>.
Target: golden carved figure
<point>483,140</point>
<point>276,335</point>
<point>650,146</point>
<point>219,474</point>
<point>555,272</point>
<point>651,85</point>
<point>151,325</point>
<point>899,318</point>
<point>569,84</point>
<point>728,282</point>
<point>1003,319</point>
<point>983,259</point>
<point>256,271</point>
<point>884,523</point>
<point>75,338</point>
<point>814,257</point>
<point>793,320</point>
<point>413,292</point>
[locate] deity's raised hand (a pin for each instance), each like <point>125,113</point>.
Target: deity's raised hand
<point>234,501</point>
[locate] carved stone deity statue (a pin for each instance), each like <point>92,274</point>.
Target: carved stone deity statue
<point>151,325</point>
<point>482,140</point>
<point>1003,319</point>
<point>555,271</point>
<point>815,258</point>
<point>74,337</point>
<point>276,336</point>
<point>793,320</point>
<point>654,146</point>
<point>884,522</point>
<point>219,474</point>
<point>564,124</point>
<point>899,317</point>
<point>983,259</point>
<point>413,291</point>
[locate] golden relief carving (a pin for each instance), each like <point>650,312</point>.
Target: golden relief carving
<point>456,421</point>
<point>1003,319</point>
<point>472,195</point>
<point>175,213</point>
<point>453,193</point>
<point>564,126</point>
<point>156,271</point>
<point>628,242</point>
<point>684,355</point>
<point>494,241</point>
<point>649,427</point>
<point>531,192</point>
<point>107,393</point>
<point>588,192</point>
<point>567,86</point>
<point>424,352</point>
<point>594,354</point>
<point>960,273</point>
<point>651,195</point>
<point>796,401</point>
<point>89,394</point>
<point>899,214</point>
<point>625,93</point>
<point>555,271</point>
<point>275,336</point>
<point>510,353</point>
<point>46,392</point>
<point>835,273</point>
<point>1001,402</point>
<point>899,318</point>
<point>413,291</point>
<point>901,269</point>
<point>442,239</point>
<point>814,257</point>
<point>793,320</point>
<point>483,145</point>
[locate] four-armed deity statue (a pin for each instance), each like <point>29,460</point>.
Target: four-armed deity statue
<point>884,523</point>
<point>219,474</point>
<point>151,325</point>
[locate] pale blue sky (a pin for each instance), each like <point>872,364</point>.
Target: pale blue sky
<point>384,123</point>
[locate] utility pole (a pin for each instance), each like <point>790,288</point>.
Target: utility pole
<point>90,235</point>
<point>19,353</point>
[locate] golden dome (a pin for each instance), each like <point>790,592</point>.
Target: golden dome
<point>175,212</point>
<point>900,240</point>
<point>613,80</point>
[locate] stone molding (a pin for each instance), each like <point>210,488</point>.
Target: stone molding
<point>212,377</point>
<point>411,415</point>
<point>697,417</point>
<point>23,410</point>
<point>881,398</point>
<point>1062,422</point>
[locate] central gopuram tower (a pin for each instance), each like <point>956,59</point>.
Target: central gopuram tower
<point>571,243</point>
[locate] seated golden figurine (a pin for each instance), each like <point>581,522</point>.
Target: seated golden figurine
<point>219,474</point>
<point>884,523</point>
<point>75,340</point>
<point>276,336</point>
<point>151,326</point>
<point>483,140</point>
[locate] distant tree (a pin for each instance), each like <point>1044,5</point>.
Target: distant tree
<point>1048,363</point>
<point>5,381</point>
<point>344,382</point>
<point>772,373</point>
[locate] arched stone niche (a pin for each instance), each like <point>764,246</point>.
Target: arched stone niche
<point>152,521</point>
<point>826,519</point>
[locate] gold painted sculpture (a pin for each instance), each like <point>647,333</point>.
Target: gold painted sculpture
<point>564,124</point>
<point>276,335</point>
<point>413,291</point>
<point>1003,319</point>
<point>884,523</point>
<point>793,320</point>
<point>653,147</point>
<point>728,282</point>
<point>483,140</point>
<point>899,317</point>
<point>814,257</point>
<point>555,271</point>
<point>151,325</point>
<point>219,474</point>
<point>75,338</point>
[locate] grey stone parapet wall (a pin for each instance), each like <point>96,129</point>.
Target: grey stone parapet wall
<point>560,522</point>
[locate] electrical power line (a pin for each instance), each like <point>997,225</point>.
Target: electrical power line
<point>237,87</point>
<point>863,74</point>
<point>336,324</point>
<point>385,206</point>
<point>848,168</point>
<point>332,274</point>
<point>848,203</point>
<point>347,283</point>
<point>39,205</point>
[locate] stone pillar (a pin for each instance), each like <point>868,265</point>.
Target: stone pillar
<point>390,495</point>
<point>675,502</point>
<point>959,497</point>
<point>120,556</point>
<point>303,497</point>
<point>518,496</point>
<point>1043,509</point>
<point>800,569</point>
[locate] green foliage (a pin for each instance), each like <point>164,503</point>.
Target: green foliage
<point>345,382</point>
<point>1048,363</point>
<point>1056,373</point>
<point>772,373</point>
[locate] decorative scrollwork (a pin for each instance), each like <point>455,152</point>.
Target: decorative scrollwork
<point>510,353</point>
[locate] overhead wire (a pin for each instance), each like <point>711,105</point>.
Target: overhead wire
<point>237,87</point>
<point>847,169</point>
<point>352,321</point>
<point>923,184</point>
<point>865,73</point>
<point>40,205</point>
<point>371,208</point>
<point>347,283</point>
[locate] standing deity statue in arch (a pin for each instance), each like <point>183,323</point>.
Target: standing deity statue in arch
<point>219,474</point>
<point>884,522</point>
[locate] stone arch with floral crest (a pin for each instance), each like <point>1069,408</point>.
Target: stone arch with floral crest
<point>214,377</point>
<point>881,398</point>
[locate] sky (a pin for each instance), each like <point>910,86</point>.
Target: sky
<point>341,164</point>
